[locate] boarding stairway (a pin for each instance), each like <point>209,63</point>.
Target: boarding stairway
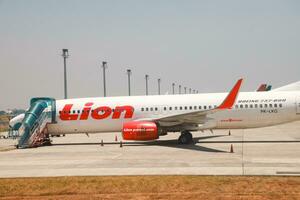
<point>33,131</point>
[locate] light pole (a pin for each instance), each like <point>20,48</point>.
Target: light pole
<point>129,74</point>
<point>158,81</point>
<point>179,89</point>
<point>173,88</point>
<point>104,66</point>
<point>65,55</point>
<point>146,77</point>
<point>184,90</point>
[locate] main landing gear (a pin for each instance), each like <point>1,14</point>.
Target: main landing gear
<point>185,138</point>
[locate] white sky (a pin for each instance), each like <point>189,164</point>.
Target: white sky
<point>205,45</point>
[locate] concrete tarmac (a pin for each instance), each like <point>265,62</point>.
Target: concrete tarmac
<point>265,151</point>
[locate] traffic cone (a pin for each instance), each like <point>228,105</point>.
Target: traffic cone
<point>102,143</point>
<point>231,149</point>
<point>116,138</point>
<point>121,144</point>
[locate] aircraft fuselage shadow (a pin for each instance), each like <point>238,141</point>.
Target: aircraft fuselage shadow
<point>174,143</point>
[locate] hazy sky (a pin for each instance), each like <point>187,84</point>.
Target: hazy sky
<point>206,45</point>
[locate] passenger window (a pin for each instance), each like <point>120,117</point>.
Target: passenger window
<point>204,107</point>
<point>280,105</point>
<point>175,107</point>
<point>266,105</point>
<point>251,106</point>
<point>195,107</point>
<point>78,111</point>
<point>142,109</point>
<point>215,106</point>
<point>200,107</point>
<point>170,108</point>
<point>185,107</point>
<point>180,107</point>
<point>246,106</point>
<point>156,109</point>
<point>59,112</point>
<point>275,105</point>
<point>270,105</point>
<point>165,108</point>
<point>151,109</point>
<point>236,106</point>
<point>256,105</point>
<point>241,106</point>
<point>260,105</point>
<point>209,107</point>
<point>191,107</point>
<point>147,109</point>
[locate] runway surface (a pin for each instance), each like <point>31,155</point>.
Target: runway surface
<point>265,151</point>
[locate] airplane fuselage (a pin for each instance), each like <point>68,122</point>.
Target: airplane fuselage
<point>251,110</point>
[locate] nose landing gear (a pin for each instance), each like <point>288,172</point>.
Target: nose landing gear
<point>185,138</point>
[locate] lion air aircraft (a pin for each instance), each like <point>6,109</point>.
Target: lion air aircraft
<point>148,117</point>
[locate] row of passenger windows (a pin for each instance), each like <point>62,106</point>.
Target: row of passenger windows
<point>241,106</point>
<point>178,108</point>
<point>238,106</point>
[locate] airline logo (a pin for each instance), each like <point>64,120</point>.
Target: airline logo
<point>102,112</point>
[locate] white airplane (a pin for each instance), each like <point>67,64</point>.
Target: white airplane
<point>148,117</point>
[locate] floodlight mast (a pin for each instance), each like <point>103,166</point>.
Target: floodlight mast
<point>173,88</point>
<point>158,82</point>
<point>65,55</point>
<point>179,87</point>
<point>104,67</point>
<point>147,78</point>
<point>129,74</point>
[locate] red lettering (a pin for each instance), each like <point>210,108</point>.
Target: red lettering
<point>65,114</point>
<point>106,111</point>
<point>119,109</point>
<point>99,113</point>
<point>86,111</point>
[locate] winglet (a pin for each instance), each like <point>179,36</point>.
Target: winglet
<point>230,99</point>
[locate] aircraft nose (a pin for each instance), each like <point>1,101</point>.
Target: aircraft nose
<point>15,122</point>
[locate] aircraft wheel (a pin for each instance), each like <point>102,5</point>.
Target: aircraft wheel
<point>185,138</point>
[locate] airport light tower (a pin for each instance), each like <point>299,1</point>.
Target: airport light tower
<point>158,81</point>
<point>147,78</point>
<point>173,88</point>
<point>129,74</point>
<point>65,55</point>
<point>104,67</point>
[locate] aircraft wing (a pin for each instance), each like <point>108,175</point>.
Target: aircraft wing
<point>200,117</point>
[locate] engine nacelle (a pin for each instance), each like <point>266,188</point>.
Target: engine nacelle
<point>143,130</point>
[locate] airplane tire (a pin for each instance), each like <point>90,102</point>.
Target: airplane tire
<point>185,138</point>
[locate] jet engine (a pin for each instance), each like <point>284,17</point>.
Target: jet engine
<point>143,130</point>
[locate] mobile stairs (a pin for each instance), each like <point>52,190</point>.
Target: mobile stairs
<point>33,131</point>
